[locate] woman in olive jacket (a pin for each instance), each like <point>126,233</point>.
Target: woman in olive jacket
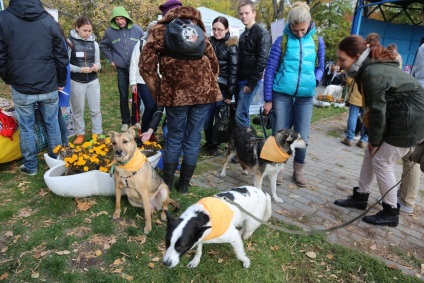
<point>225,48</point>
<point>394,117</point>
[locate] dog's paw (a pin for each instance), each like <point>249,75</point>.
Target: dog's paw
<point>193,264</point>
<point>245,172</point>
<point>117,215</point>
<point>222,174</point>
<point>277,199</point>
<point>246,263</point>
<point>147,230</point>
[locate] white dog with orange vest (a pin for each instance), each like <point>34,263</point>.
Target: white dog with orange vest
<point>215,220</point>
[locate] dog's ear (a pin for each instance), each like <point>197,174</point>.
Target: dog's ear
<point>169,217</point>
<point>112,134</point>
<point>131,131</point>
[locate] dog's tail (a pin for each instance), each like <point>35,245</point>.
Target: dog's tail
<point>268,211</point>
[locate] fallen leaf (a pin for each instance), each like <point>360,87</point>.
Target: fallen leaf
<point>422,268</point>
<point>99,253</point>
<point>151,265</point>
<point>36,256</point>
<point>127,277</point>
<point>23,184</point>
<point>155,259</point>
<point>9,234</point>
<point>43,253</point>
<point>16,238</point>
<point>42,193</point>
<point>220,260</point>
<point>25,212</point>
<point>117,261</point>
<point>392,266</point>
<point>3,250</point>
<point>106,246</point>
<point>83,205</point>
<point>35,275</point>
<point>159,222</point>
<point>118,270</point>
<point>311,254</point>
<point>330,256</point>
<point>4,276</point>
<point>373,247</point>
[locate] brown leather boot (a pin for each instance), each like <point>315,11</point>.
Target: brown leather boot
<point>298,175</point>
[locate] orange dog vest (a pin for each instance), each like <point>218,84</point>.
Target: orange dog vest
<point>220,214</point>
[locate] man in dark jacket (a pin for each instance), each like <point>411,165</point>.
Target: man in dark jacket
<point>35,74</point>
<point>254,46</point>
<point>117,45</point>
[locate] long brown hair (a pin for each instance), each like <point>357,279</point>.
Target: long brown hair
<point>355,44</point>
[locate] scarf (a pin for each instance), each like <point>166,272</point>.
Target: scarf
<point>272,152</point>
<point>353,70</point>
<point>133,165</point>
<point>220,215</point>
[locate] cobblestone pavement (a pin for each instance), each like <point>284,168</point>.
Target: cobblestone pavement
<point>332,170</point>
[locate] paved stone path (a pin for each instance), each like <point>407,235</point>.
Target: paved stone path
<point>332,170</point>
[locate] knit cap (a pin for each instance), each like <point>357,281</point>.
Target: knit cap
<point>170,4</point>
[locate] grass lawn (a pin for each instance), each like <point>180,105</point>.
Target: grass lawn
<point>48,238</point>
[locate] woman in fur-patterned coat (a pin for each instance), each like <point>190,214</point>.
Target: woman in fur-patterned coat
<point>186,88</point>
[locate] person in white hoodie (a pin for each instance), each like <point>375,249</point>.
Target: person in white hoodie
<point>138,85</point>
<point>84,59</point>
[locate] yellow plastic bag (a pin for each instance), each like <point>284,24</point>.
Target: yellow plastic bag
<point>10,150</point>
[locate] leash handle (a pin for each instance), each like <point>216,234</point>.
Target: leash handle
<point>261,117</point>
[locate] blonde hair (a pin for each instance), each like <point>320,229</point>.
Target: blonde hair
<point>299,13</point>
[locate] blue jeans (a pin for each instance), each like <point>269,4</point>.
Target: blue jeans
<point>354,112</point>
<point>123,87</point>
<point>25,107</point>
<point>149,106</point>
<point>293,112</point>
<point>185,125</point>
<point>243,104</point>
<point>63,128</point>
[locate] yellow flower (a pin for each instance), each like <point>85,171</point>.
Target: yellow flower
<point>56,149</point>
<point>85,168</point>
<point>103,169</point>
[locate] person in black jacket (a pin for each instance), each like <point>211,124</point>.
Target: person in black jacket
<point>254,45</point>
<point>226,51</point>
<point>33,60</point>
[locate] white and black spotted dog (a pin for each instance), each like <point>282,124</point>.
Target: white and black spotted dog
<point>248,146</point>
<point>214,220</point>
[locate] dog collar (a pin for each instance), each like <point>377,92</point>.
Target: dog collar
<point>220,215</point>
<point>272,152</point>
<point>134,164</point>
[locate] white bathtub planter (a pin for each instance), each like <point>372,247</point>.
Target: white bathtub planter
<point>339,104</point>
<point>90,183</point>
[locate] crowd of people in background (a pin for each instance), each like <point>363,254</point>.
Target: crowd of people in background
<point>230,69</point>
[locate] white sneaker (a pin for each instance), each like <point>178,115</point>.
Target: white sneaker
<point>124,127</point>
<point>405,208</point>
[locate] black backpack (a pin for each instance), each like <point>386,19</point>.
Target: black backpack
<point>184,40</point>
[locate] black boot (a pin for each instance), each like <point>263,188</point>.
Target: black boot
<point>186,173</point>
<point>357,200</point>
<point>389,216</point>
<point>168,173</point>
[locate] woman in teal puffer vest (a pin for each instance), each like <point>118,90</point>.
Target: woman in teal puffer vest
<point>289,82</point>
